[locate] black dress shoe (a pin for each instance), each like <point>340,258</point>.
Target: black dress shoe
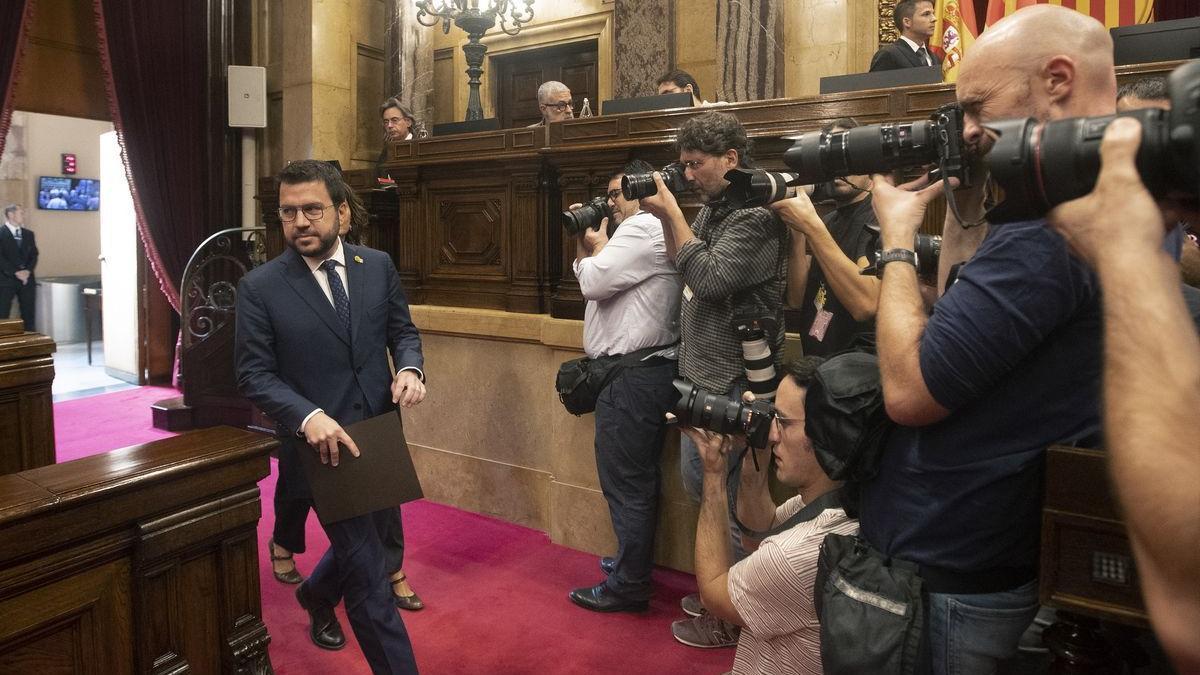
<point>599,599</point>
<point>608,565</point>
<point>323,627</point>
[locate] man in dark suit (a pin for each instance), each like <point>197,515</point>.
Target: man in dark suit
<point>314,330</point>
<point>915,19</point>
<point>18,258</point>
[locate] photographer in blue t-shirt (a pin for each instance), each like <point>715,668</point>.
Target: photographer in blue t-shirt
<point>1007,363</point>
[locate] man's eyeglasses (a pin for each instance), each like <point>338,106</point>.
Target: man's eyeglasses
<point>613,194</point>
<point>561,105</point>
<point>784,422</point>
<point>311,211</point>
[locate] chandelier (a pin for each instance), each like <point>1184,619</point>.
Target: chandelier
<point>475,17</point>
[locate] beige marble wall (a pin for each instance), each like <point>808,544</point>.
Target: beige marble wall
<point>696,43</point>
<point>493,438</point>
<point>826,37</point>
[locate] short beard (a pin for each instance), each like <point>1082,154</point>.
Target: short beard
<point>327,243</point>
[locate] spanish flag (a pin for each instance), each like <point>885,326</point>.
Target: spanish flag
<point>954,33</point>
<point>1111,13</point>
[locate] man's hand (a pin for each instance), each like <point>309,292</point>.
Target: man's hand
<point>798,213</point>
<point>23,276</point>
<point>714,448</point>
<point>901,210</point>
<point>324,433</point>
<point>661,204</point>
<point>407,389</point>
<point>1119,215</point>
<point>595,240</point>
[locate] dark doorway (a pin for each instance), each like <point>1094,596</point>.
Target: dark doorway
<point>519,75</point>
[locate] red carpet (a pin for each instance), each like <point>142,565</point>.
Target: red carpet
<point>495,593</point>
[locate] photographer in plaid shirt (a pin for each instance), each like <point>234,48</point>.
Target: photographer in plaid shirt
<point>734,264</point>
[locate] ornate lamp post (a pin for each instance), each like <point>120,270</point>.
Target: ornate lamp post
<point>475,17</point>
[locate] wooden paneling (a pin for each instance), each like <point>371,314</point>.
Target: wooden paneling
<point>26,405</point>
<point>1087,563</point>
<point>142,559</point>
<point>478,221</point>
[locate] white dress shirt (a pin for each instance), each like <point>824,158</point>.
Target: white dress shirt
<point>14,229</point>
<point>633,290</point>
<point>322,277</point>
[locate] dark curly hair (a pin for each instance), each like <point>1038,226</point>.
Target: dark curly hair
<point>714,133</point>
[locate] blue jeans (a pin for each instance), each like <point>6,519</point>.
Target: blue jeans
<point>977,634</point>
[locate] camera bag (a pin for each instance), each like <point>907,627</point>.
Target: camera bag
<point>580,381</point>
<point>871,609</point>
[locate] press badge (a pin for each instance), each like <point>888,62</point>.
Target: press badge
<point>687,293</point>
<point>821,321</point>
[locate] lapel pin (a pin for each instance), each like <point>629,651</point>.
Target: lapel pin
<point>358,259</point>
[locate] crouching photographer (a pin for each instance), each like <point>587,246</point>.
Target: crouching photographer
<point>825,413</point>
<point>630,329</point>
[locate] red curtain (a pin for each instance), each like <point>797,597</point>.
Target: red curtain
<point>155,61</point>
<point>15,16</point>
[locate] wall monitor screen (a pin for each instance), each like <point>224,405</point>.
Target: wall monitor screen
<point>68,194</point>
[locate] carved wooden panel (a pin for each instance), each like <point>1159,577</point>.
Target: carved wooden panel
<point>469,231</point>
<point>78,624</point>
<point>26,405</point>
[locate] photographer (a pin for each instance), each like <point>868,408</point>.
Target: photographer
<point>1007,364</point>
<point>734,264</point>
<point>835,301</point>
<point>1151,387</point>
<point>633,295</point>
<point>770,592</point>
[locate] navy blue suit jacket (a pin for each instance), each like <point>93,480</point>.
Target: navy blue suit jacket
<point>293,355</point>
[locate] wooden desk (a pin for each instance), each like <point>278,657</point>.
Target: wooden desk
<point>140,560</point>
<point>26,405</point>
<point>473,219</point>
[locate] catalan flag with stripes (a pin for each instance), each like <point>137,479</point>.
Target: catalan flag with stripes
<point>953,34</point>
<point>1111,13</point>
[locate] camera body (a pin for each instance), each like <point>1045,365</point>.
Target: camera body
<point>1043,164</point>
<point>698,407</point>
<point>639,185</point>
<point>588,216</point>
<point>878,148</point>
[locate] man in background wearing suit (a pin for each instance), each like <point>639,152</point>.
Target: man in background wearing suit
<point>314,329</point>
<point>915,19</point>
<point>18,257</point>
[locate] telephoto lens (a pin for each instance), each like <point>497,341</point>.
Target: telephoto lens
<point>699,408</point>
<point>928,248</point>
<point>880,148</point>
<point>1043,164</point>
<point>638,185</point>
<point>590,215</point>
<point>757,357</point>
<point>754,187</point>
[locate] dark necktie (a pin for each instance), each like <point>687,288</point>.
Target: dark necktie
<point>17,237</point>
<point>341,301</point>
<point>924,55</point>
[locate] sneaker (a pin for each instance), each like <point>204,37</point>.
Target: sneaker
<point>691,605</point>
<point>706,631</point>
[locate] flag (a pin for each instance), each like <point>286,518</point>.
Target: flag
<point>1111,13</point>
<point>954,33</point>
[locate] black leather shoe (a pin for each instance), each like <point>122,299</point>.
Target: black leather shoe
<point>608,565</point>
<point>410,602</point>
<point>323,627</point>
<point>599,599</point>
<point>291,576</point>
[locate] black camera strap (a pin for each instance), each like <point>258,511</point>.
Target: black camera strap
<point>829,500</point>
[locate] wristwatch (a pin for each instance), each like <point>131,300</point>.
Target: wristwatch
<point>898,255</point>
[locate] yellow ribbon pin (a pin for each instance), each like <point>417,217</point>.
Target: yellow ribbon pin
<point>358,259</point>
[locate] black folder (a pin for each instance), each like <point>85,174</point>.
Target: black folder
<point>381,477</point>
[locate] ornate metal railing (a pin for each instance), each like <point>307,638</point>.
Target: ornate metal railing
<point>209,299</point>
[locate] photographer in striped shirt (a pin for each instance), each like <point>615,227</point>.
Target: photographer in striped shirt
<point>734,265</point>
